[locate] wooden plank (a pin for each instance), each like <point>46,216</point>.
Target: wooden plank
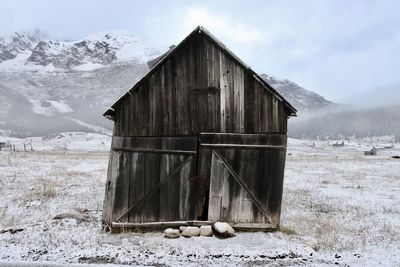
<point>151,180</point>
<point>173,191</point>
<point>168,76</point>
<point>275,115</point>
<point>246,208</point>
<point>252,227</point>
<point>249,104</point>
<point>231,79</point>
<point>240,83</point>
<point>179,84</point>
<point>268,123</point>
<point>277,173</point>
<point>227,185</point>
<point>184,191</point>
<point>154,151</point>
<point>121,202</point>
<point>112,173</point>
<point>239,146</point>
<point>164,171</point>
<point>141,123</point>
<point>174,115</point>
<point>223,85</point>
<point>216,189</point>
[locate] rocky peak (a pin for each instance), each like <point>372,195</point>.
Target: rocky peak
<point>16,43</point>
<point>299,97</point>
<point>97,49</point>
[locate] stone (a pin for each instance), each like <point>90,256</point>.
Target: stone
<point>206,230</point>
<point>223,229</point>
<point>191,231</point>
<point>171,233</point>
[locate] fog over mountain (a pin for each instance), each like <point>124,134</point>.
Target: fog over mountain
<point>48,86</point>
<point>388,95</point>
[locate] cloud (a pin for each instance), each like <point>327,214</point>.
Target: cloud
<point>220,25</point>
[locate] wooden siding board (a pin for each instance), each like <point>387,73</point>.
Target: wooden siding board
<point>249,104</point>
<point>121,203</point>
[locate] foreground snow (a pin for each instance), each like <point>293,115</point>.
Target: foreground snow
<point>339,206</point>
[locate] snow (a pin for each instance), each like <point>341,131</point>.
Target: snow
<point>89,66</point>
<point>19,63</point>
<point>50,107</point>
<point>339,207</point>
<point>128,47</point>
<point>95,128</point>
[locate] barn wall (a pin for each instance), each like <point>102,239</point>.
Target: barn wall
<point>200,88</point>
<point>161,164</point>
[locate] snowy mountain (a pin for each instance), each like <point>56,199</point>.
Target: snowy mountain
<point>13,45</point>
<point>299,97</point>
<point>93,51</point>
<point>48,86</point>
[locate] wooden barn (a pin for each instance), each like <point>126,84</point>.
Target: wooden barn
<point>200,138</point>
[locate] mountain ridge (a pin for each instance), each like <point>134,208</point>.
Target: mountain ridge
<point>299,97</point>
<point>67,85</point>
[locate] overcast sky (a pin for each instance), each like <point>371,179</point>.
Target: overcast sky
<point>335,48</point>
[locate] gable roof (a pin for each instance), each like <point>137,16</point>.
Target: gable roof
<point>156,63</point>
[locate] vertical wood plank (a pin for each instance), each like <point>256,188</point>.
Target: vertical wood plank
<point>121,202</point>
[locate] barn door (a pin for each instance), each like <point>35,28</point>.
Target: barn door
<point>246,175</point>
<point>157,173</point>
<point>233,196</point>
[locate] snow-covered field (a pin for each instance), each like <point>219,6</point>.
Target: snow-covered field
<point>339,207</point>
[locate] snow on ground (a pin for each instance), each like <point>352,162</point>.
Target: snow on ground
<point>339,207</point>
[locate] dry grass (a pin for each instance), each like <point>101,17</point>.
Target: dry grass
<point>287,230</point>
<point>47,188</point>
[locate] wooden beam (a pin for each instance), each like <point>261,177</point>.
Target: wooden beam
<point>242,146</point>
<point>156,151</point>
<point>152,226</point>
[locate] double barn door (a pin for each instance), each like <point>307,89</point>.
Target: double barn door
<point>217,177</point>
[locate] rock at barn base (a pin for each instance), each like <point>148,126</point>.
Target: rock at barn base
<point>171,233</point>
<point>206,230</point>
<point>223,229</point>
<point>191,231</point>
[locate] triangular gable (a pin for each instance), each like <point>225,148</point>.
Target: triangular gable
<point>163,58</point>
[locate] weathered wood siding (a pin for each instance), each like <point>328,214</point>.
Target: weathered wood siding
<point>150,177</point>
<point>200,88</point>
<point>245,176</point>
